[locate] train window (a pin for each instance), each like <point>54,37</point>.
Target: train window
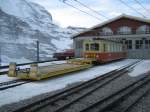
<point>120,47</point>
<point>94,46</point>
<point>109,47</point>
<point>104,47</point>
<point>117,47</point>
<point>87,47</point>
<point>114,49</point>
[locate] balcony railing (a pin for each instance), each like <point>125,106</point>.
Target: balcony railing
<point>124,33</point>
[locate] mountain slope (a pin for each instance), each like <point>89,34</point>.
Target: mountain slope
<point>22,23</point>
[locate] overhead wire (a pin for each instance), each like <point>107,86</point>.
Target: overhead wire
<point>142,6</point>
<point>91,9</point>
<point>64,1</point>
<point>126,4</point>
<point>132,8</point>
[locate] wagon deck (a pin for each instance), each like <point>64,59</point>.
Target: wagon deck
<point>37,73</point>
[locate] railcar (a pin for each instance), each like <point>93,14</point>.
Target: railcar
<point>102,50</point>
<point>67,54</point>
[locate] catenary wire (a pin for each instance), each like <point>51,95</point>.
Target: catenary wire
<point>142,6</point>
<point>64,1</point>
<point>132,8</point>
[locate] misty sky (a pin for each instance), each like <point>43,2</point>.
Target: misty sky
<point>65,15</point>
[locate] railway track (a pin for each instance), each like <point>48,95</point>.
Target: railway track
<point>11,84</point>
<point>113,103</point>
<point>61,101</point>
<point>127,100</point>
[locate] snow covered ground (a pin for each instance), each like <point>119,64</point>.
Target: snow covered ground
<point>7,59</point>
<point>141,68</point>
<point>36,88</point>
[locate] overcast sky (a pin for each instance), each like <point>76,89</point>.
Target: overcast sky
<point>65,15</point>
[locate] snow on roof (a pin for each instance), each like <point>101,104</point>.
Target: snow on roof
<point>114,19</point>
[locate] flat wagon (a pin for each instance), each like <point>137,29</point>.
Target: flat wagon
<point>36,72</point>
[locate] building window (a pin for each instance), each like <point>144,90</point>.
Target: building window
<point>87,47</point>
<point>147,44</point>
<point>128,44</point>
<point>138,44</point>
<point>94,47</point>
<point>143,29</point>
<point>106,31</point>
<point>124,30</point>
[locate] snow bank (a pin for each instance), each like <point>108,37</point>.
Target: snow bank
<point>6,59</point>
<point>141,68</point>
<point>4,78</point>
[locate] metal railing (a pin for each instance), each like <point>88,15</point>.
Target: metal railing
<point>124,33</point>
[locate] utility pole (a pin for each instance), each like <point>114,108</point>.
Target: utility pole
<point>37,42</point>
<point>0,56</point>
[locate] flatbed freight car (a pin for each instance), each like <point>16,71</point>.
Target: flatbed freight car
<point>36,72</point>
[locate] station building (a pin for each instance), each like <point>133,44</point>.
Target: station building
<point>133,32</point>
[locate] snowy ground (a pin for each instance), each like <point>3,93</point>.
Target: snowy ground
<point>36,88</point>
<point>141,68</point>
<point>6,59</point>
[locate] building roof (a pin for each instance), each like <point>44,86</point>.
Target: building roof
<point>111,20</point>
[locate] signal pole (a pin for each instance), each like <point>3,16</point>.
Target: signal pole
<point>0,56</point>
<point>37,45</point>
